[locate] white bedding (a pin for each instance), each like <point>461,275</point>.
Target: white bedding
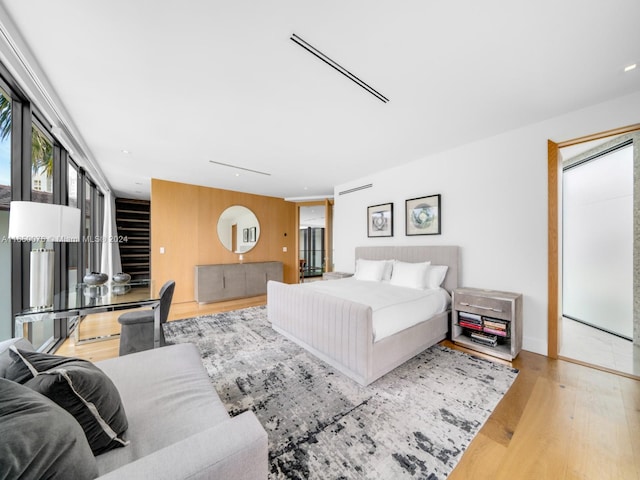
<point>394,308</point>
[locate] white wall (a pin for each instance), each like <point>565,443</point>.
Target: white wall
<point>494,205</point>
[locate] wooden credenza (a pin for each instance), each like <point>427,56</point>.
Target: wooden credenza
<point>215,283</point>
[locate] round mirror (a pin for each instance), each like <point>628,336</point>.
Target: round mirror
<point>238,229</point>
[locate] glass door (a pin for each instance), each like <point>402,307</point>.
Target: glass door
<point>597,240</point>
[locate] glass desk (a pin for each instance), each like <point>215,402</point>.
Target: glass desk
<point>85,300</point>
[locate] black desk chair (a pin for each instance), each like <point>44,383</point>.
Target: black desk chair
<point>137,328</point>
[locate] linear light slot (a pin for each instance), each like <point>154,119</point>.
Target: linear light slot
<point>336,66</point>
<point>355,189</point>
<point>240,168</point>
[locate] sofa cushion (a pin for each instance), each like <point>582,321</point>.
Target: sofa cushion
<point>168,397</point>
<point>39,438</point>
<point>79,387</point>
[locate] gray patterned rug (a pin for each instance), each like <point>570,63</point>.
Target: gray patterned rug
<point>415,422</point>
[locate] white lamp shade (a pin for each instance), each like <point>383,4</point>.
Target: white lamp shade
<point>33,221</point>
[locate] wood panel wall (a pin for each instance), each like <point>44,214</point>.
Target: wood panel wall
<point>184,220</point>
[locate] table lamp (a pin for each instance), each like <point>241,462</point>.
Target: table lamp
<point>40,223</point>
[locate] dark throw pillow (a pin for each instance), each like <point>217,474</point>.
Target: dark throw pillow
<point>5,359</point>
<point>79,387</point>
<point>39,438</point>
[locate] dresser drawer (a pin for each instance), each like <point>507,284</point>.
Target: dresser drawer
<point>483,305</point>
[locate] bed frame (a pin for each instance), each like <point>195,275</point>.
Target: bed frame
<point>340,332</point>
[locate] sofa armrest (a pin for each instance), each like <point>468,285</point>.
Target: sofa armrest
<point>235,449</point>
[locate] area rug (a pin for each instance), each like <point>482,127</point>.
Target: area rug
<point>414,422</point>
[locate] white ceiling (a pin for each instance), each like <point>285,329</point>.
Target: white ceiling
<point>181,83</point>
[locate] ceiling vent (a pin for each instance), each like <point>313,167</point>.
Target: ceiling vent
<point>239,168</point>
<point>355,189</point>
<point>314,51</point>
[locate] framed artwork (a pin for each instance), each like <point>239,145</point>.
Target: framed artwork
<point>423,216</point>
<point>380,220</point>
<point>252,234</point>
<point>245,235</point>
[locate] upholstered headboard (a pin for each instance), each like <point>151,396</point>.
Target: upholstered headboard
<point>437,255</point>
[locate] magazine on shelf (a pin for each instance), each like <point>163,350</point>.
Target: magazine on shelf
<point>470,316</point>
<point>496,326</point>
<point>500,333</point>
<point>484,338</point>
<point>472,326</point>
<point>495,322</point>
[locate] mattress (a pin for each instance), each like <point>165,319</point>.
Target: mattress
<point>393,308</point>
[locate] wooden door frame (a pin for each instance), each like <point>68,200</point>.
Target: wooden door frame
<point>554,273</point>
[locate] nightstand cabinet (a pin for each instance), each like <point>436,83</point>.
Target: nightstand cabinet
<point>488,321</point>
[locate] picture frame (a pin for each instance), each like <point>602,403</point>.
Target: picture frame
<point>245,235</point>
<point>423,215</point>
<point>380,220</point>
<point>252,234</point>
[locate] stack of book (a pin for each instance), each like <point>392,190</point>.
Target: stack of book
<point>484,338</point>
<point>484,330</point>
<point>495,326</point>
<point>470,321</point>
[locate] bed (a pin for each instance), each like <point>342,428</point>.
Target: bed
<point>344,332</point>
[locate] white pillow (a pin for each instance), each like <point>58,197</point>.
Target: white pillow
<point>369,270</point>
<point>412,275</point>
<point>436,274</point>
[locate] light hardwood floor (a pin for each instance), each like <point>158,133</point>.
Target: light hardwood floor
<point>558,421</point>
<point>103,324</point>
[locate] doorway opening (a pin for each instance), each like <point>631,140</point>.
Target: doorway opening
<point>314,239</point>
<point>597,253</point>
<point>593,251</point>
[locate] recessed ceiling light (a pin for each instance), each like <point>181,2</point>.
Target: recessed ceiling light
<point>126,152</point>
<point>237,174</point>
<point>628,68</point>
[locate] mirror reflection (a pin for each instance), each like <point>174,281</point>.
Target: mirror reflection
<point>238,229</point>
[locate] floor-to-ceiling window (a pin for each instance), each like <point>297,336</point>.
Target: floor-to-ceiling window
<point>5,199</point>
<point>35,166</point>
<point>312,250</point>
<point>42,175</point>
<point>73,277</point>
<point>41,165</point>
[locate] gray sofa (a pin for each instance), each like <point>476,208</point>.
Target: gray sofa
<point>178,427</point>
